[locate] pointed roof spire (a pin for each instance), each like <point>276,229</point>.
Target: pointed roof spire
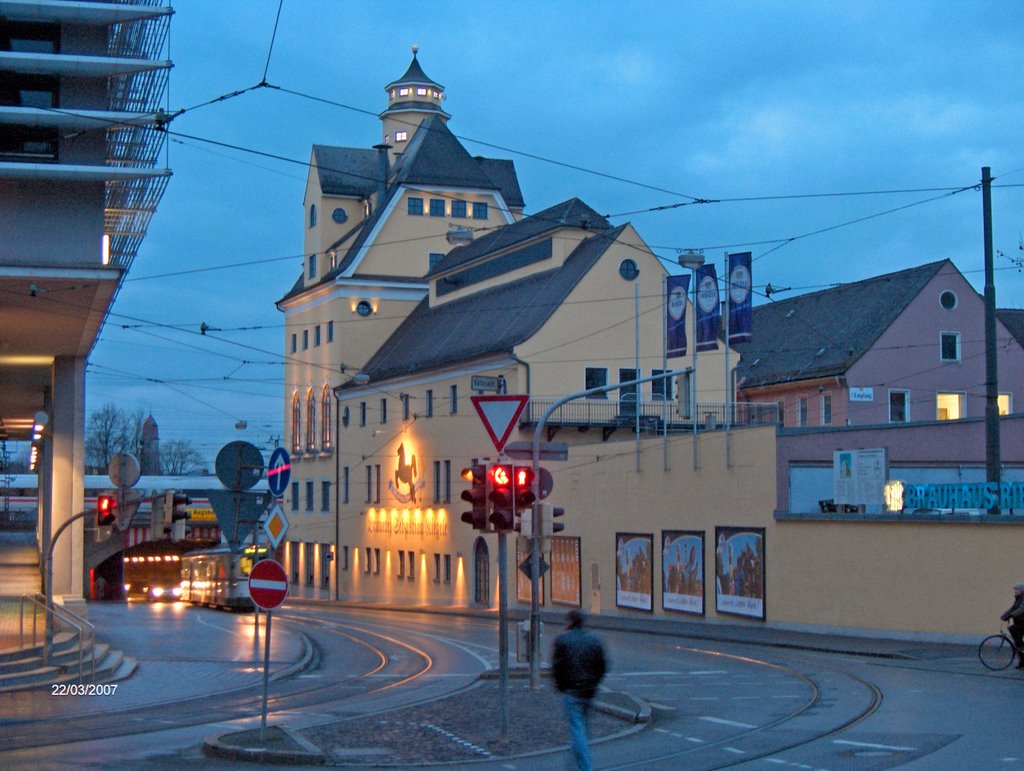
<point>414,76</point>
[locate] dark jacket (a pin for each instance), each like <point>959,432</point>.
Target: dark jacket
<point>579,663</point>
<point>1016,612</point>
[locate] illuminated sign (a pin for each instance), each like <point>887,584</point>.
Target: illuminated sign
<point>405,476</point>
<point>429,523</point>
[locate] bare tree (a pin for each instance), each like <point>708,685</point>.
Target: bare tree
<point>111,430</point>
<point>179,458</point>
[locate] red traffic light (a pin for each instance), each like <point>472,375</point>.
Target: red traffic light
<point>106,510</point>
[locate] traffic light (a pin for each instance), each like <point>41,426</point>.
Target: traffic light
<point>502,496</point>
<point>106,509</point>
<point>522,484</point>
<point>548,514</point>
<point>477,495</point>
<point>179,506</point>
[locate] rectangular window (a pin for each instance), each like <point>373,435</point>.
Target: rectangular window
<point>628,395</point>
<point>384,410</point>
<point>436,207</point>
<point>899,406</point>
<point>661,390</point>
<point>305,339</point>
<point>437,568</point>
<point>344,558</point>
<point>295,496</point>
<point>428,407</point>
<point>376,562</point>
<point>801,411</point>
<point>401,564</point>
<point>309,495</point>
<point>1005,403</point>
<point>325,495</point>
<point>405,406</point>
<point>344,485</point>
<point>412,566</point>
<point>595,377</point>
<point>295,343</point>
<point>949,406</point>
<point>447,481</point>
<point>453,399</point>
<point>433,259</point>
<point>437,481</point>
<point>782,413</point>
<point>480,210</point>
<point>309,564</point>
<point>316,336</point>
<point>376,488</point>
<point>369,562</point>
<point>949,346</point>
<point>458,208</point>
<point>369,483</point>
<point>312,266</point>
<point>325,565</point>
<point>415,206</point>
<point>330,331</point>
<point>362,413</point>
<point>401,136</point>
<point>447,568</point>
<point>826,409</point>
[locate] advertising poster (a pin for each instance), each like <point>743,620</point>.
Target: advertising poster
<point>634,574</point>
<point>739,571</point>
<point>523,580</point>
<point>682,571</point>
<point>565,571</point>
<point>677,288</point>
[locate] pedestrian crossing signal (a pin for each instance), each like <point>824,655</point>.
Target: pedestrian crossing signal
<point>106,510</point>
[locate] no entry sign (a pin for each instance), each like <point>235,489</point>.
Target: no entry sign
<point>268,584</point>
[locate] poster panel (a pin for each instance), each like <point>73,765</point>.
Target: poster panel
<point>634,575</point>
<point>682,571</point>
<point>565,571</point>
<point>739,571</point>
<point>523,580</point>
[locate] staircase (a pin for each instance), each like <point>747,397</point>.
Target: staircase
<point>23,669</point>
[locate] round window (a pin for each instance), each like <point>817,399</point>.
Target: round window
<point>628,269</point>
<point>364,308</point>
<point>948,300</point>
<point>339,215</point>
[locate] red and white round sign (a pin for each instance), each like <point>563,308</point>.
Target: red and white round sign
<point>268,584</point>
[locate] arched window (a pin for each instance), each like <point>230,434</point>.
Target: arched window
<point>296,423</point>
<point>325,418</point>
<point>310,420</point>
<point>312,215</point>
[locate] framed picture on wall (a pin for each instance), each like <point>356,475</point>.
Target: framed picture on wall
<point>682,571</point>
<point>565,571</point>
<point>739,571</point>
<point>634,570</point>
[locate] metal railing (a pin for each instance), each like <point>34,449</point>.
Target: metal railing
<point>67,617</point>
<point>623,413</point>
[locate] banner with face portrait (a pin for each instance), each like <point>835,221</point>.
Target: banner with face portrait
<point>676,289</point>
<point>739,298</point>
<point>634,576</point>
<point>682,571</point>
<point>739,571</point>
<point>709,314</point>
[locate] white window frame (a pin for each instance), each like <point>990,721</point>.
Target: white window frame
<point>942,338</point>
<point>961,404</point>
<point>906,404</point>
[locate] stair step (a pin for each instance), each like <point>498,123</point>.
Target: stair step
<point>61,641</point>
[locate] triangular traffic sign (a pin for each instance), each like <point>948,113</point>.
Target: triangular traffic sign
<point>499,415</point>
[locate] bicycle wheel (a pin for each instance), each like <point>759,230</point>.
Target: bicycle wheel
<point>996,652</point>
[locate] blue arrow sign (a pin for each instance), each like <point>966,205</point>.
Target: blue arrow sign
<point>279,471</point>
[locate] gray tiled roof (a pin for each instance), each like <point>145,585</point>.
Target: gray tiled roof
<point>570,213</point>
<point>435,157</point>
<point>413,75</point>
<point>822,334</point>
<point>503,173</point>
<point>1013,320</point>
<point>346,170</point>
<point>485,323</point>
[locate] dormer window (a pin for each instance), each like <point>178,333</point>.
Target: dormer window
<point>401,136</point>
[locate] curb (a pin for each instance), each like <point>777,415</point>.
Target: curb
<point>309,755</point>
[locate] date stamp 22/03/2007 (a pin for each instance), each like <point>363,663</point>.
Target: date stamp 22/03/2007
<point>83,689</point>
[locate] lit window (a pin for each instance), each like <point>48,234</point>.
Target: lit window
<point>403,92</point>
<point>480,210</point>
<point>949,406</point>
<point>401,136</point>
<point>414,206</point>
<point>458,208</point>
<point>1005,404</point>
<point>899,406</point>
<point>421,92</point>
<point>436,207</point>
<point>949,346</point>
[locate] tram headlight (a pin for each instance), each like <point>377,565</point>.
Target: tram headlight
<point>157,591</point>
<point>176,591</point>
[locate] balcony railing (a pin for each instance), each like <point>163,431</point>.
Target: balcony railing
<point>611,414</point>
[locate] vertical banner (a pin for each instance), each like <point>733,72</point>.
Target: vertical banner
<point>565,571</point>
<point>634,578</point>
<point>739,571</point>
<point>676,289</point>
<point>740,284</point>
<point>709,314</point>
<point>682,571</point>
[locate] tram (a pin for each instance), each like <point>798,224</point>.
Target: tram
<point>152,570</point>
<point>219,577</point>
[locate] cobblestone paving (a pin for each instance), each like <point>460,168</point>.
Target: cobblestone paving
<point>459,728</point>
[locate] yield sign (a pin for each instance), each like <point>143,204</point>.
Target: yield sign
<point>499,415</point>
<point>268,584</point>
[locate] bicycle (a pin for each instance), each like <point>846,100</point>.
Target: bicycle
<point>997,651</point>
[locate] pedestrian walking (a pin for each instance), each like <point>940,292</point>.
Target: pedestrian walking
<point>578,665</point>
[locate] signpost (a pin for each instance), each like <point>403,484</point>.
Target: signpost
<point>268,586</point>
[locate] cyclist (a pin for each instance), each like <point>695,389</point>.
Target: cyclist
<point>1015,616</point>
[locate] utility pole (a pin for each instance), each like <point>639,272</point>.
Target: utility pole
<point>992,459</point>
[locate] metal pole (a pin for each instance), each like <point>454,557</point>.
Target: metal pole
<point>535,550</point>
<point>664,366</point>
<point>266,675</point>
<point>48,644</point>
<point>636,352</point>
<point>728,380</point>
<point>992,449</point>
<point>503,636</point>
<point>693,396</point>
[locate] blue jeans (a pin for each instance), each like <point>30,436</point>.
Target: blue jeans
<point>577,713</point>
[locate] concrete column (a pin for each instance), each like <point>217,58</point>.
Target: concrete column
<point>67,463</point>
